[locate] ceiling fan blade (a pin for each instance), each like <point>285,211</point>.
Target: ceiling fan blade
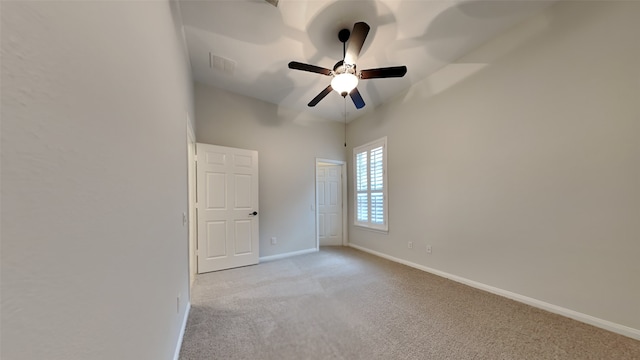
<point>356,40</point>
<point>320,96</point>
<point>388,72</point>
<point>357,98</point>
<point>310,68</point>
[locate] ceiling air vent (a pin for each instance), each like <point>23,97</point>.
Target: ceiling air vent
<point>222,64</point>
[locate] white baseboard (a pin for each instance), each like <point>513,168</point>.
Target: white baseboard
<point>176,354</point>
<point>588,319</point>
<point>286,255</point>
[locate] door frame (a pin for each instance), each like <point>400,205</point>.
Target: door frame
<point>191,196</point>
<point>343,181</point>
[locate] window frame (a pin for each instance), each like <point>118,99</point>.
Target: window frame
<point>368,224</point>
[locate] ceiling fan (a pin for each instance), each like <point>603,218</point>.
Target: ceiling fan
<point>345,74</point>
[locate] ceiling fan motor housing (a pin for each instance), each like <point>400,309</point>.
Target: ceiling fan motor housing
<point>341,68</point>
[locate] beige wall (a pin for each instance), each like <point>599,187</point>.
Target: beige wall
<point>94,253</point>
<point>288,144</point>
<point>525,175</point>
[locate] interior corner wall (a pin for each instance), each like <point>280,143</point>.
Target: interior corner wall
<point>524,175</point>
<point>288,144</point>
<point>94,180</point>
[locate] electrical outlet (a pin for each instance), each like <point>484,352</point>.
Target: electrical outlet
<point>274,240</point>
<point>410,244</point>
<point>428,249</point>
<point>178,303</point>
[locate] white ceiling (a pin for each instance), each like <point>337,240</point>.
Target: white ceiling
<point>261,40</point>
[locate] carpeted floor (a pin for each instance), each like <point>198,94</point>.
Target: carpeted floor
<point>341,303</point>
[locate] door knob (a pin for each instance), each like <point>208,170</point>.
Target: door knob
<point>254,213</point>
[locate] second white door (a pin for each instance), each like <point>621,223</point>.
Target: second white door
<point>329,192</point>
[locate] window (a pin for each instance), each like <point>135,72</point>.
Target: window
<point>370,163</point>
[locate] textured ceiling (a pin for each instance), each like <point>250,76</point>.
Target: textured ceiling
<point>252,42</point>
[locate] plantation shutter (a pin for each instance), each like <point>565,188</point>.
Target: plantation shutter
<point>377,186</point>
<point>362,187</point>
<point>370,184</point>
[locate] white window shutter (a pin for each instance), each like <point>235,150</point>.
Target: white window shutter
<point>370,185</point>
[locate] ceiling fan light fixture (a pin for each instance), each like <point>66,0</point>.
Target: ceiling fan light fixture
<point>344,83</point>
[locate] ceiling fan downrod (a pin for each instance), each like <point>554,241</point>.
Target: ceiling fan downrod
<point>343,36</point>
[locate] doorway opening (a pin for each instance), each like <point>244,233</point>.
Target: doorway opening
<point>331,203</point>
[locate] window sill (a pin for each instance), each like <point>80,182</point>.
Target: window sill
<point>379,231</point>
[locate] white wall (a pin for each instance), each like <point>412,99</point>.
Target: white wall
<point>94,253</point>
<point>288,144</point>
<point>525,175</point>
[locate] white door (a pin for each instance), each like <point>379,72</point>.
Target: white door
<point>227,207</point>
<point>329,192</point>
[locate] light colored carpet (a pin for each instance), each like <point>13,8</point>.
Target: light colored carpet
<point>341,303</point>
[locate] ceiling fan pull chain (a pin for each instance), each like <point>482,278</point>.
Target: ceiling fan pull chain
<point>345,121</point>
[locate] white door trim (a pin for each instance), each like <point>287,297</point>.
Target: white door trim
<point>343,180</point>
<point>191,190</point>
